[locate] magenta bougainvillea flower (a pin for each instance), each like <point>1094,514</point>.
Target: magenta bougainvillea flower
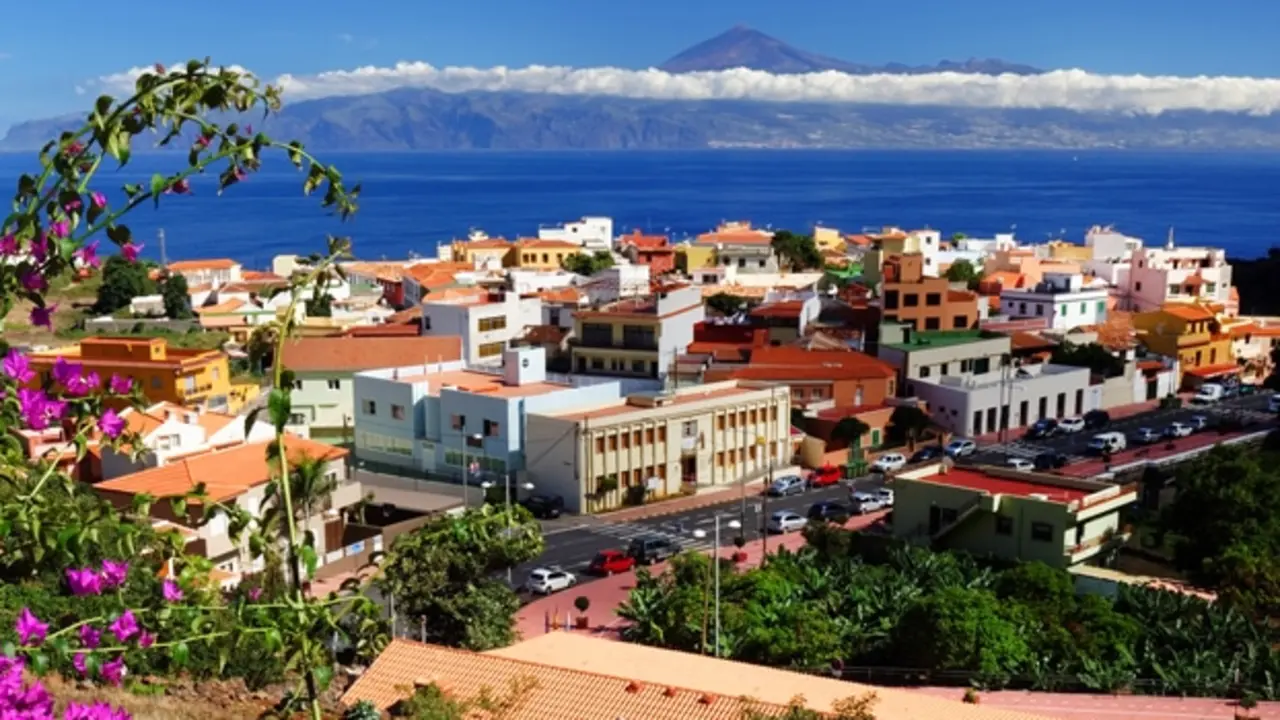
<point>111,424</point>
<point>29,628</point>
<point>125,626</point>
<point>84,581</point>
<point>171,591</point>
<point>114,572</point>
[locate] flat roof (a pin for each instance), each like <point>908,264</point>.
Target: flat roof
<point>624,407</point>
<point>926,339</point>
<point>481,384</point>
<point>992,485</point>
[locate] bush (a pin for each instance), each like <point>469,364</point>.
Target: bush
<point>636,494</point>
<point>582,602</point>
<point>363,710</point>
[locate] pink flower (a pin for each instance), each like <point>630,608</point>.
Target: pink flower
<point>79,663</point>
<point>181,187</point>
<point>66,373</point>
<point>202,141</point>
<point>30,630</point>
<point>129,251</point>
<point>33,281</point>
<point>248,129</point>
<point>72,205</point>
<point>146,640</point>
<point>120,385</point>
<point>38,411</point>
<point>43,316</point>
<point>96,711</point>
<point>74,147</point>
<point>84,581</point>
<point>98,199</point>
<point>17,367</point>
<point>255,593</point>
<point>111,424</point>
<point>60,229</point>
<point>124,627</point>
<point>171,591</point>
<point>8,244</point>
<point>40,248</point>
<point>113,671</point>
<point>88,255</point>
<point>114,573</point>
<point>90,636</point>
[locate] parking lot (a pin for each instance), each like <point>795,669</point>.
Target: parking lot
<point>1075,445</point>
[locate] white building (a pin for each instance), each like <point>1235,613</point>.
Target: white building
<point>975,404</point>
<point>1108,244</point>
<point>615,283</point>
<point>639,336</point>
<point>592,233</point>
<point>930,244</point>
<point>1179,274</point>
<point>1065,298</point>
<point>218,271</point>
<point>525,282</point>
<point>487,323</point>
<point>168,431</point>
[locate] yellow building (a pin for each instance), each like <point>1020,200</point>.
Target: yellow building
<point>694,257</point>
<point>1191,333</point>
<point>192,378</point>
<point>535,254</point>
<point>891,241</point>
<point>1063,250</point>
<point>828,239</point>
<point>483,251</point>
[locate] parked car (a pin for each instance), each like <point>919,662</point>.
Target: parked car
<point>785,521</point>
<point>1021,464</point>
<point>927,453</point>
<point>1071,424</point>
<point>544,581</point>
<point>961,448</point>
<point>1145,436</point>
<point>1230,390</point>
<point>829,511</point>
<point>1248,389</point>
<point>652,549</point>
<point>825,476</point>
<point>1273,405</point>
<point>889,462</point>
<point>1177,430</point>
<point>786,485</point>
<point>1042,429</point>
<point>610,562</point>
<point>1198,422</point>
<point>865,502</point>
<point>544,507</point>
<point>1107,442</point>
<point>886,496</point>
<point>1096,419</point>
<point>1209,393</point>
<point>1050,461</point>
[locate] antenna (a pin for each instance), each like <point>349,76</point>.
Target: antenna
<point>164,257</point>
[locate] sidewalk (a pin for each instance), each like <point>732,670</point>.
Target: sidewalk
<point>1116,413</point>
<point>705,497</point>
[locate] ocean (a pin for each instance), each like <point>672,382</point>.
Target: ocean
<point>413,201</point>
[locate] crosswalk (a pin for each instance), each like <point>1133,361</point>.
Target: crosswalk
<point>1017,449</point>
<point>680,534</point>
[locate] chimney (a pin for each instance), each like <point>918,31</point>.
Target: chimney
<point>634,687</point>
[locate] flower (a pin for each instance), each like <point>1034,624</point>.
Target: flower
<point>75,147</point>
<point>181,187</point>
<point>111,424</point>
<point>80,663</point>
<point>129,251</point>
<point>38,410</point>
<point>114,572</point>
<point>120,385</point>
<point>98,199</point>
<point>113,671</point>
<point>146,640</point>
<point>90,636</point>
<point>171,591</point>
<point>84,581</point>
<point>43,316</point>
<point>96,711</point>
<point>33,281</point>
<point>255,593</point>
<point>72,205</point>
<point>8,244</point>
<point>88,255</point>
<point>65,372</point>
<point>60,229</point>
<point>125,626</point>
<point>30,630</point>
<point>40,248</point>
<point>17,367</point>
<point>202,141</point>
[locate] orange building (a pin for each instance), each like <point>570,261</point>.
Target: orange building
<point>924,303</point>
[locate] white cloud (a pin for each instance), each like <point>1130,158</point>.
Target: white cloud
<point>1064,89</point>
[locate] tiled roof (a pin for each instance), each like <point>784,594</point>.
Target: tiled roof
<point>1117,331</point>
<point>1214,370</point>
<point>228,306</point>
<point>794,363</point>
<point>554,692</point>
<point>859,240</point>
<point>345,354</point>
<point>384,271</point>
<point>1188,311</point>
<point>545,334</point>
<point>781,309</point>
<point>487,244</point>
<point>1022,340</point>
<point>564,295</point>
<point>646,242</point>
<point>1007,279</point>
<point>540,244</point>
<point>225,473</point>
<point>404,317</point>
<point>961,295</point>
<point>211,264</point>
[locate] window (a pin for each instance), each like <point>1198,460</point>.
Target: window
<point>458,422</point>
<point>638,366</point>
<point>1042,531</point>
<point>910,300</point>
<point>891,300</point>
<point>492,428</point>
<point>959,322</point>
<point>1213,355</point>
<point>720,459</point>
<point>932,323</point>
<point>753,418</point>
<point>1022,308</point>
<point>1137,287</point>
<point>1039,310</point>
<point>297,384</point>
<point>491,349</point>
<point>297,419</point>
<point>369,407</point>
<point>216,373</point>
<point>335,384</point>
<point>613,443</point>
<point>626,440</point>
<point>1084,308</point>
<point>982,366</point>
<point>1064,311</point>
<point>492,323</point>
<point>636,438</point>
<point>648,436</point>
<point>599,444</point>
<point>932,299</point>
<point>942,370</point>
<point>1102,306</point>
<point>597,363</point>
<point>662,434</point>
<point>1004,525</point>
<point>924,371</point>
<point>720,422</point>
<point>773,411</point>
<point>397,412</point>
<point>1079,402</point>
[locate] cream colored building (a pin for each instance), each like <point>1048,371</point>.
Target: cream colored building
<point>713,434</point>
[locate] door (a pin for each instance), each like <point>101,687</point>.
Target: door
<point>1153,389</point>
<point>1022,414</point>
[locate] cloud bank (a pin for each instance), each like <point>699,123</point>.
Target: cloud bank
<point>1060,89</point>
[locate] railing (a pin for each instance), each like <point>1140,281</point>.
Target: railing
<point>962,514</point>
<point>610,344</point>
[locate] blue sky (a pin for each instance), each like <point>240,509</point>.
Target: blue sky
<point>1182,37</point>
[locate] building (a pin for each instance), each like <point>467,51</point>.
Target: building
<point>656,444</point>
<point>191,378</point>
<point>930,355</point>
<point>1171,274</point>
<point>1065,299</point>
<point>590,233</point>
<point>638,336</point>
<point>240,475</point>
<point>536,254</point>
<point>324,369</point>
<point>479,251</point>
<point>215,272</point>
<point>892,241</point>
<point>731,250</point>
<point>486,322</point>
<point>1003,513</point>
<point>438,419</point>
<point>1191,333</point>
<point>168,432</point>
<point>817,378</point>
<point>1252,343</point>
<point>925,303</point>
<point>389,276</point>
<point>652,250</point>
<point>786,316</point>
<point>425,278</point>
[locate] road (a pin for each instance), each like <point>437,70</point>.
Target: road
<point>1075,445</point>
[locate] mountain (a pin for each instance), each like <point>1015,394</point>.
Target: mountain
<point>744,47</point>
<point>422,119</point>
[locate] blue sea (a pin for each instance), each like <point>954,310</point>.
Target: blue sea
<point>413,201</point>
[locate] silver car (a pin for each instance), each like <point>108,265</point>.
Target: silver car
<point>785,521</point>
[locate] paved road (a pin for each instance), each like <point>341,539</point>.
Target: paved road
<point>1074,445</point>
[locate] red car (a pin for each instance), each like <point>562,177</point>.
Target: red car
<point>824,476</point>
<point>608,562</point>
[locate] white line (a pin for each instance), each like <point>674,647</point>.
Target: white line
<point>558,531</point>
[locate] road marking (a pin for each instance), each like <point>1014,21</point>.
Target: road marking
<point>558,531</point>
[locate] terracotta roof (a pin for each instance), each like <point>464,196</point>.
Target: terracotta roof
<point>961,295</point>
<point>545,334</point>
<point>1007,279</point>
<point>1021,340</point>
<point>859,240</point>
<point>383,330</point>
<point>404,317</point>
<point>148,419</point>
<point>1188,311</point>
<point>487,244</point>
<point>1214,370</point>
<point>225,473</point>
<point>1146,365</point>
<point>257,275</point>
<point>565,295</point>
<point>555,692</point>
<point>540,244</point>
<point>346,354</point>
<point>384,271</point>
<point>736,237</point>
<point>223,321</point>
<point>228,306</point>
<point>794,363</point>
<point>1117,332</point>
<point>781,309</point>
<point>646,242</point>
<point>211,264</point>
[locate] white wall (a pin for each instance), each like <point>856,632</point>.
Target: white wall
<point>590,232</point>
<point>319,404</point>
<point>953,400</point>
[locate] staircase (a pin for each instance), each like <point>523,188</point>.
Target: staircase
<point>962,513</point>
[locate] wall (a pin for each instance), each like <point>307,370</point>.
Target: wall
<point>321,407</point>
<point>380,437</point>
<point>1064,310</point>
<point>953,405</point>
<point>911,363</point>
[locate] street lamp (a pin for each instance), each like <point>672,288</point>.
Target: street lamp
<point>485,485</point>
<point>715,558</point>
<point>762,442</point>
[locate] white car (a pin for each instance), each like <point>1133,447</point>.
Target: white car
<point>889,462</point>
<point>886,496</point>
<point>785,521</point>
<point>1071,425</point>
<point>1021,464</point>
<point>865,502</point>
<point>1177,430</point>
<point>544,581</point>
<point>961,448</point>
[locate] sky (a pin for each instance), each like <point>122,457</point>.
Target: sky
<point>275,37</point>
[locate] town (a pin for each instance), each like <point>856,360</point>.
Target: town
<point>644,396</point>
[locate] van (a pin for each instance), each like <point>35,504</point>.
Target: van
<point>1108,442</point>
<point>1209,393</point>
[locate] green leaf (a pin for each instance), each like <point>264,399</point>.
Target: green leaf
<point>309,559</point>
<point>295,154</point>
<point>179,654</point>
<point>279,406</point>
<point>179,507</point>
<point>271,639</point>
<point>9,649</point>
<point>157,187</point>
<point>5,528</point>
<point>323,675</point>
<point>40,663</point>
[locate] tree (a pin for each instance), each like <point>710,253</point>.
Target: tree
<point>583,264</point>
<point>964,271</point>
<point>796,252</point>
<point>177,297</point>
<point>907,423</point>
<point>854,707</point>
<point>445,573</point>
<point>122,281</point>
<point>849,431</point>
<point>961,629</point>
<point>958,236</point>
<point>727,304</point>
<point>320,305</point>
<point>1097,358</point>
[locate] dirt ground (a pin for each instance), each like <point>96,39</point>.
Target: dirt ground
<point>183,700</point>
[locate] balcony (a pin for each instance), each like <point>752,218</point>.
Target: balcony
<point>608,343</point>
